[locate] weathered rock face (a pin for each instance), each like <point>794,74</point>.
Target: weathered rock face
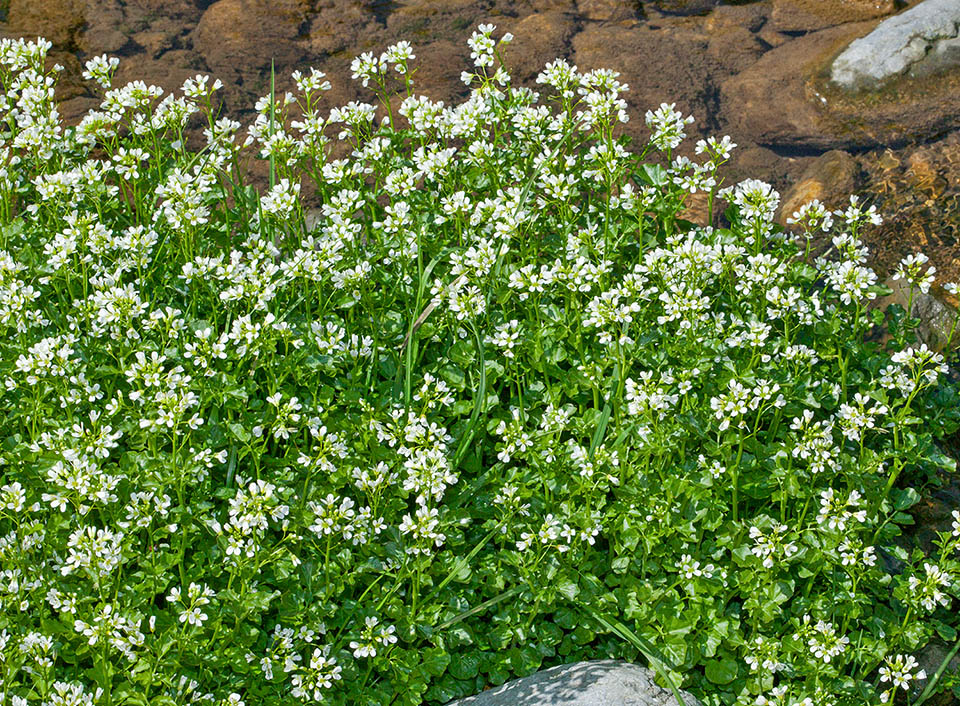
<point>685,7</point>
<point>936,318</point>
<point>917,190</point>
<point>776,99</point>
<point>599,683</point>
<point>239,38</point>
<point>60,21</point>
<point>920,41</point>
<point>830,179</point>
<point>811,113</point>
<point>808,15</point>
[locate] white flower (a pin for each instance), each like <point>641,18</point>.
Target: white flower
<point>899,671</point>
<point>667,126</point>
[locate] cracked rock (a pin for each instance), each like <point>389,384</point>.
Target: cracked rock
<point>923,40</point>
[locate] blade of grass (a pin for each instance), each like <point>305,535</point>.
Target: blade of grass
<point>273,99</point>
<point>932,684</point>
<point>604,418</point>
<point>653,655</point>
<point>461,563</point>
<point>479,608</point>
<point>479,402</point>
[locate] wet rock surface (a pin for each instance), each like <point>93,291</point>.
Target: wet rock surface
<point>828,179</point>
<point>917,190</point>
<point>809,15</point>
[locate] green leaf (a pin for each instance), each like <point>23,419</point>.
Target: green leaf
<point>568,589</point>
<point>721,671</point>
<point>654,657</point>
<point>465,666</point>
<point>435,661</point>
<point>239,432</point>
<point>904,498</point>
<point>654,174</point>
<point>947,632</point>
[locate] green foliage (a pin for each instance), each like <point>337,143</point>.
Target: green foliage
<point>494,406</point>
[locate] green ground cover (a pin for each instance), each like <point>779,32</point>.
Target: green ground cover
<point>498,407</point>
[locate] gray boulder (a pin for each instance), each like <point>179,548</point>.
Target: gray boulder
<point>923,40</point>
<point>596,683</point>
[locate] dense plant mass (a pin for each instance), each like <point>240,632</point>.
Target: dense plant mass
<point>493,406</point>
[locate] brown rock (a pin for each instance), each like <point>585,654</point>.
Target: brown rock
<point>429,8</point>
<point>772,37</point>
<point>56,20</point>
<point>154,43</point>
<point>735,48</point>
<point>335,28</point>
<point>72,110</point>
<point>608,10</point>
<point>696,208</point>
<point>446,60</point>
<point>667,65</point>
<point>777,102</point>
<point>809,15</point>
<point>830,179</point>
<point>752,17</point>
<point>538,39</point>
<point>239,38</point>
<point>685,7</point>
<point>169,72</point>
<point>102,31</point>
<point>917,191</point>
<point>750,161</point>
<point>545,5</point>
<point>70,84</point>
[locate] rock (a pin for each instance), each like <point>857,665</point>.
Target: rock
<point>751,17</point>
<point>239,38</point>
<point>776,100</point>
<point>808,15</point>
<point>538,39</point>
<point>936,317</point>
<point>696,208</point>
<point>732,29</point>
<point>56,20</point>
<point>685,7</point>
<point>772,37</point>
<point>102,33</point>
<point>830,179</point>
<point>735,48</point>
<point>930,659</point>
<point>917,191</point>
<point>660,65</point>
<point>596,683</point>
<point>608,10</point>
<point>753,162</point>
<point>920,41</point>
<point>787,100</point>
<point>154,43</point>
<point>336,28</point>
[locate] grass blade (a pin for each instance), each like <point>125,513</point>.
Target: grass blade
<point>653,655</point>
